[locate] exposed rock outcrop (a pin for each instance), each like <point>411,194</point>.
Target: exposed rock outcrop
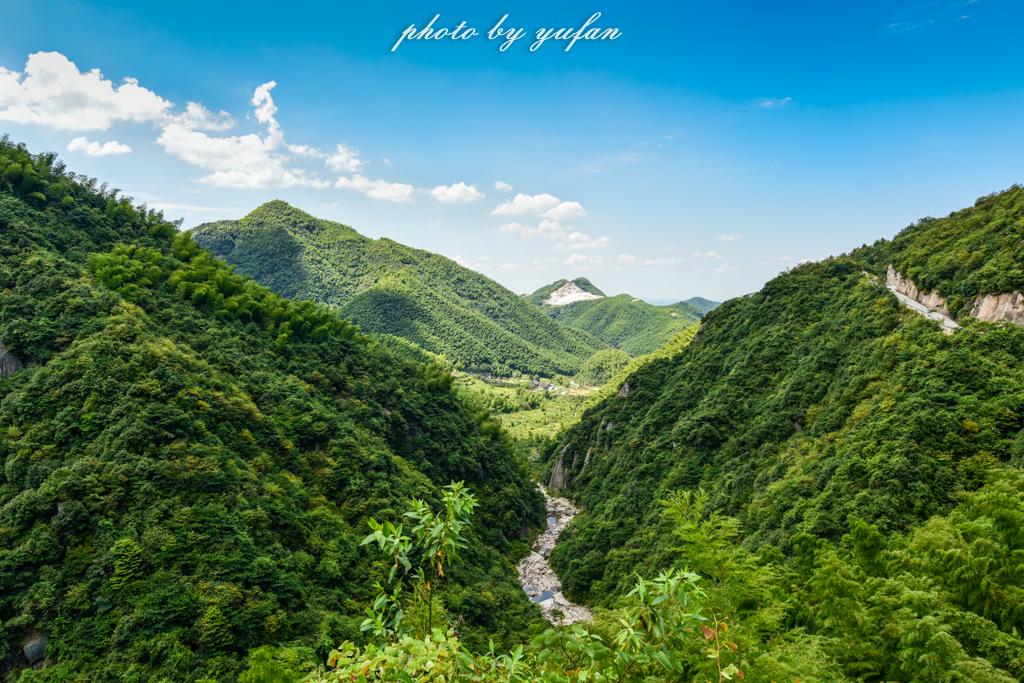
<point>995,308</point>
<point>9,363</point>
<point>895,281</point>
<point>569,293</point>
<point>1006,307</point>
<point>34,648</point>
<point>557,479</point>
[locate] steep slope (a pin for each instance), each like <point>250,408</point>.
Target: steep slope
<point>972,252</point>
<point>389,288</point>
<point>624,322</point>
<point>813,403</point>
<point>187,460</point>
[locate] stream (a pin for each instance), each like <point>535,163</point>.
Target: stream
<point>538,578</point>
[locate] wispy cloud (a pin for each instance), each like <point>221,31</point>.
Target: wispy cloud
<point>774,102</point>
<point>609,162</point>
<point>923,17</point>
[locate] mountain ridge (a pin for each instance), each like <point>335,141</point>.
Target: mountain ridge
<point>390,288</point>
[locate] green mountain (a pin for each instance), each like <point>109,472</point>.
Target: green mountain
<point>576,285</point>
<point>188,460</point>
<point>624,322</point>
<point>698,303</point>
<point>872,460</point>
<point>389,288</point>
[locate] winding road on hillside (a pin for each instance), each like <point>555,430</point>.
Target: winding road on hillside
<point>946,322</point>
<point>538,578</point>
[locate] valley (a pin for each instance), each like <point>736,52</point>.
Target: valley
<point>273,449</point>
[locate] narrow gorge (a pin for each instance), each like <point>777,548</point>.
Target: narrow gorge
<point>537,577</point>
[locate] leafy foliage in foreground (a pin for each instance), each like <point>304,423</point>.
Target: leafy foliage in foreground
<point>389,288</point>
<point>187,461</point>
<point>942,603</point>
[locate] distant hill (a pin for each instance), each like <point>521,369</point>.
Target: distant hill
<point>701,304</point>
<point>562,292</point>
<point>389,288</point>
<point>623,321</point>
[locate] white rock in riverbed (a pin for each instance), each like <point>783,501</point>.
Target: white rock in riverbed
<point>538,578</point>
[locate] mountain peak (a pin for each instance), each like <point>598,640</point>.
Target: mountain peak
<point>587,286</point>
<point>571,292</point>
<point>280,213</point>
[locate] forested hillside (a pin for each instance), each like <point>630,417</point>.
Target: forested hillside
<point>833,424</point>
<point>970,253</point>
<point>188,460</point>
<point>386,287</point>
<point>626,323</point>
<point>537,298</point>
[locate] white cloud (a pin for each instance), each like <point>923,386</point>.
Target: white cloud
<point>729,238</point>
<point>707,255</point>
<point>785,258</point>
<point>377,189</point>
<point>266,110</point>
<point>198,117</point>
<point>583,260</point>
<point>581,240</point>
<point>565,211</point>
<point>523,204</point>
<point>625,259</point>
<point>97,149</point>
<point>774,102</point>
<point>344,159</point>
<point>307,151</point>
<point>518,229</point>
<point>53,92</point>
<point>240,161</point>
<point>663,261</point>
<point>456,193</point>
<point>502,186</point>
<point>565,237</point>
<point>723,268</point>
<point>387,162</point>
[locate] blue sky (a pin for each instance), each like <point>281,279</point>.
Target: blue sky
<point>710,146</point>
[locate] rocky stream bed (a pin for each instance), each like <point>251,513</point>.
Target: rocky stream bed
<point>538,578</point>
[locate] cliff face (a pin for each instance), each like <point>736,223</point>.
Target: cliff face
<point>1005,307</point>
<point>1008,307</point>
<point>895,280</point>
<point>8,362</point>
